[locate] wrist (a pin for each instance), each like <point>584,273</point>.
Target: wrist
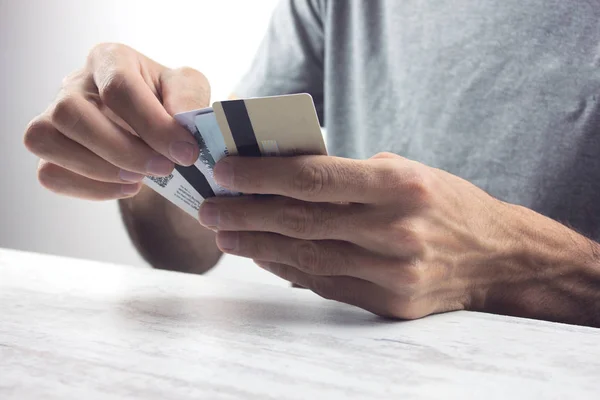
<point>548,272</point>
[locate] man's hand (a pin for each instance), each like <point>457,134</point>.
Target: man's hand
<point>107,128</point>
<point>111,125</point>
<point>392,236</point>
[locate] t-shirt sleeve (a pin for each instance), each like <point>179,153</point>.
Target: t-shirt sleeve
<point>291,56</point>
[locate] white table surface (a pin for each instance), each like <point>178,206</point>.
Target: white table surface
<point>72,329</point>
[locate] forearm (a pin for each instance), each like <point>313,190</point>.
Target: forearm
<point>554,274</point>
<point>167,237</point>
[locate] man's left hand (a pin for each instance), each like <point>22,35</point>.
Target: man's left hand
<point>387,234</point>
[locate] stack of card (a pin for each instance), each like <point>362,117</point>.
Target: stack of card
<point>256,127</point>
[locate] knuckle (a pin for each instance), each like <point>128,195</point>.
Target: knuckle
<point>66,81</point>
<point>297,219</point>
<point>400,231</point>
<point>194,93</point>
<point>73,77</point>
<point>112,86</point>
<point>407,312</point>
<point>409,178</point>
<point>408,236</point>
<point>201,86</point>
<point>404,308</point>
<point>36,135</point>
<point>47,175</point>
<point>66,112</point>
<point>407,280</point>
<point>414,277</point>
<point>418,185</point>
<point>390,175</point>
<point>385,155</point>
<point>101,50</point>
<point>310,180</point>
<point>191,73</point>
<point>308,256</point>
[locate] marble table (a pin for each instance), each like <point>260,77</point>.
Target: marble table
<point>73,329</point>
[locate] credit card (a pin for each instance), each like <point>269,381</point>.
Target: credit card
<point>200,175</point>
<point>257,127</point>
<point>211,142</point>
<point>270,126</point>
<point>177,190</point>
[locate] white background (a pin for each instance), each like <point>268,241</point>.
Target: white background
<point>41,41</point>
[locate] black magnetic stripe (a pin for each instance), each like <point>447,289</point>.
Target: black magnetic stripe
<point>196,179</point>
<point>241,128</point>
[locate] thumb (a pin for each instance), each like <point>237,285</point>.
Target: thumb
<point>184,89</point>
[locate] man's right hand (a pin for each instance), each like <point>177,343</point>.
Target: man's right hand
<point>112,124</point>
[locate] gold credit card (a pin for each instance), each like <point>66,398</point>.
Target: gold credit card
<point>270,126</point>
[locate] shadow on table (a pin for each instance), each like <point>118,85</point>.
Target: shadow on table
<point>206,310</point>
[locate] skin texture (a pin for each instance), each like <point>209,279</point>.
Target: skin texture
<point>110,125</point>
<point>387,234</point>
<point>401,239</point>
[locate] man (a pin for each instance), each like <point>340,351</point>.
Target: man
<point>487,111</point>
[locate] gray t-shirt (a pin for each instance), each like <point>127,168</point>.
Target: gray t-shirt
<point>502,93</point>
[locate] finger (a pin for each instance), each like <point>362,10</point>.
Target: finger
<point>65,182</point>
<point>323,258</point>
<point>82,122</point>
<point>184,89</point>
<point>45,141</point>
<point>317,178</point>
<point>123,90</point>
<point>289,217</point>
<point>353,291</point>
<point>379,229</point>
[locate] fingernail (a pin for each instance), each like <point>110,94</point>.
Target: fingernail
<point>129,189</point>
<point>209,215</point>
<point>227,241</point>
<point>183,152</point>
<point>129,176</point>
<point>223,173</point>
<point>159,166</point>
